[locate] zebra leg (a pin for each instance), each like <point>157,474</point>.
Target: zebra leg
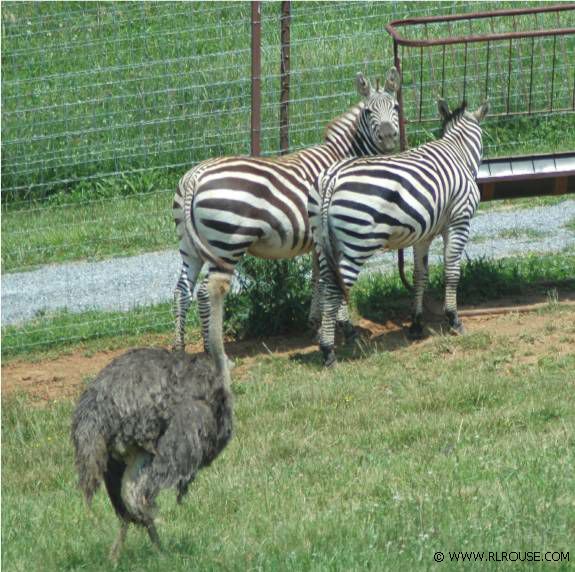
<point>421,270</point>
<point>218,286</point>
<point>455,239</point>
<point>343,322</point>
<point>204,312</point>
<point>332,300</point>
<point>191,267</point>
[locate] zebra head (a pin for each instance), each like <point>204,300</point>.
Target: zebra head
<point>462,127</point>
<point>379,120</point>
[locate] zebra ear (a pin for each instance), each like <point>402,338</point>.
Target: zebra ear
<point>392,81</point>
<point>443,108</point>
<point>363,85</point>
<point>482,111</point>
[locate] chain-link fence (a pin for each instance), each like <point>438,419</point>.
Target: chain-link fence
<point>105,105</point>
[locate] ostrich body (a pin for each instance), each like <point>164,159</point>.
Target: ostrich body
<point>149,421</point>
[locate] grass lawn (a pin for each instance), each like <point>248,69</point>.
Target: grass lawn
<point>452,444</point>
<point>89,230</point>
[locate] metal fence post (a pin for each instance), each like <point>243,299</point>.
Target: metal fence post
<point>256,78</point>
<point>285,76</point>
<point>397,63</point>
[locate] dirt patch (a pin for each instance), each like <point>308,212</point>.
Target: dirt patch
<point>534,335</point>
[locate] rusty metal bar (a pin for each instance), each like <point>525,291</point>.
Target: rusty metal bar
<point>285,76</point>
<point>464,72</point>
<point>553,73</point>
<point>392,27</point>
<point>482,15</point>
<point>420,82</point>
<point>443,72</point>
<point>531,75</point>
<point>397,64</point>
<point>487,69</point>
<point>483,38</point>
<point>509,75</point>
<point>565,110</point>
<point>256,108</point>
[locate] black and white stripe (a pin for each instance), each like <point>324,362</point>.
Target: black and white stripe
<point>393,203</point>
<point>227,207</point>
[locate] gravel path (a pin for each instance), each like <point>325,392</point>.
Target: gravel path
<point>122,283</point>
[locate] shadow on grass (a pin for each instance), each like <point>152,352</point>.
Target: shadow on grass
<point>376,338</point>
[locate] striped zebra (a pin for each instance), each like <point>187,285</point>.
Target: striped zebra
<point>396,202</point>
<point>227,207</point>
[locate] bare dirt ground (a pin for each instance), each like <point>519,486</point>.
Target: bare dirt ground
<point>534,334</point>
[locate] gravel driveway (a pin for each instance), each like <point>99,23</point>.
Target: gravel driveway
<point>122,283</point>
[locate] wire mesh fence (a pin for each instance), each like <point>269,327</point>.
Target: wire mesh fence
<point>105,105</point>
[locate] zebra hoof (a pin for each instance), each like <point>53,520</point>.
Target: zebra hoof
<point>415,331</point>
<point>329,359</point>
<point>351,336</point>
<point>457,329</point>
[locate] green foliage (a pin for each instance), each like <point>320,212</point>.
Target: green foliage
<point>381,297</point>
<point>273,299</point>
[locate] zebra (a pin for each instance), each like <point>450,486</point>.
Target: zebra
<point>226,207</point>
<point>393,203</point>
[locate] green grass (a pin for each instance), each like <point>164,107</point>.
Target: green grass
<point>522,233</point>
<point>375,465</point>
<point>510,233</point>
<point>91,230</point>
<point>570,224</point>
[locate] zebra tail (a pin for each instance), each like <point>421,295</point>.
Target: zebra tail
<point>327,239</point>
<point>401,267</point>
<point>187,189</point>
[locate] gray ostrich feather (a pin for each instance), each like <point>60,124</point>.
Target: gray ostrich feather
<point>149,421</point>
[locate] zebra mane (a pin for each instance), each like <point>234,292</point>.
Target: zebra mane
<point>340,120</point>
<point>453,115</point>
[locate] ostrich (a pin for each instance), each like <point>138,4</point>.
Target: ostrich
<point>150,421</point>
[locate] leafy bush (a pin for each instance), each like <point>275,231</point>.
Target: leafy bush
<point>273,297</point>
<point>381,297</point>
